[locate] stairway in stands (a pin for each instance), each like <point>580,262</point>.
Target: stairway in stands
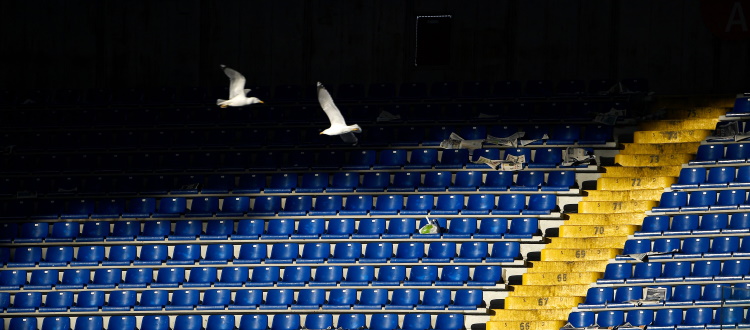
<point>570,263</point>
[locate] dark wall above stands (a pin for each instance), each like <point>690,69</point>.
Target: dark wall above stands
<point>112,44</point>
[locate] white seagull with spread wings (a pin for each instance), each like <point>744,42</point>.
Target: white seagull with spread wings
<point>237,92</point>
<point>338,124</point>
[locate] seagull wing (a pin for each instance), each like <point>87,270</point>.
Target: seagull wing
<point>349,138</point>
<point>326,102</point>
<point>236,81</point>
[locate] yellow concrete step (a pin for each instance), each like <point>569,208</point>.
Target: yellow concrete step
<point>679,124</point>
<point>525,325</point>
<point>708,109</point>
<point>616,207</point>
<point>567,266</point>
<point>642,171</point>
<point>580,231</point>
<point>623,195</point>
<point>663,148</point>
<point>653,160</point>
<point>526,315</point>
<point>608,241</point>
<point>569,254</point>
<point>632,218</point>
<point>552,290</point>
<point>670,136</point>
<point>542,302</point>
<point>636,182</point>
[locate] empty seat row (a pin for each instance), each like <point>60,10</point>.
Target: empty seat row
<point>663,319</point>
<point>391,159</point>
<point>678,295</point>
<point>248,253</point>
<point>306,228</point>
<point>316,321</point>
<point>228,137</point>
<point>676,271</point>
<point>261,276</point>
<point>702,200</point>
<point>692,247</point>
<point>293,205</point>
<point>695,224</point>
<point>314,182</point>
<point>713,177</point>
<point>732,153</point>
<point>219,299</point>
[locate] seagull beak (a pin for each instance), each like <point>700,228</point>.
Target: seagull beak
<point>321,133</point>
<point>261,101</point>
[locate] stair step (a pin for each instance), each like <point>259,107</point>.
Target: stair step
<point>569,254</point>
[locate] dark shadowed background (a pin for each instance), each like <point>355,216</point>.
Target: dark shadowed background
<point>680,46</point>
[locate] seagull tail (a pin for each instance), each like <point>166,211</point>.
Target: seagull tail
<point>220,101</point>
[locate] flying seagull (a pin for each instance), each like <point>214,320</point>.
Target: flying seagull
<point>338,125</point>
<point>237,92</point>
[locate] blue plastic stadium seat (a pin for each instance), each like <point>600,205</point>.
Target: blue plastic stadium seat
<point>360,160</point>
<point>319,321</point>
<point>297,205</point>
<point>422,158</point>
<point>55,301</point>
<point>279,229</point>
<point>309,228</point>
<point>283,253</point>
<point>188,322</point>
<point>388,204</point>
<point>26,257</point>
<point>453,276</point>
<point>346,252</point>
<point>343,182</point>
<point>204,207</point>
<point>155,230</point>
<point>405,181</point>
<point>690,178</point>
<point>467,181</point>
<point>472,252</point>
<point>56,322</point>
<point>671,201</point>
<point>327,205</point>
<point>523,228</point>
<point>341,299</point>
<point>327,276</point>
<point>264,276</point>
<point>26,302</point>
<point>415,204</point>
<point>440,252</point>
<point>370,228</point>
<point>88,301</point>
<point>339,228</point>
<point>42,279</point>
<point>235,206</point>
<point>559,181</point>
<point>708,154</point>
<point>121,300</point>
<point>295,276</point>
<point>510,204</point>
<point>57,256</point>
<point>436,181</point>
<point>448,204</point>
<point>154,322</point>
<point>449,322</point>
<point>598,297</point>
<point>541,204</point>
<point>374,181</point>
<point>140,208</point>
<point>377,252</point>
<point>461,228</point>
<point>184,300</point>
<point>266,205</point>
<point>454,158</point>
<point>314,253</point>
<point>391,159</point>
<point>684,295</point>
<point>616,273</point>
<point>372,299</point>
<point>481,204</point>
<point>401,227</point>
<point>390,275</point>
<point>249,184</point>
<point>247,299</point>
<point>357,205</point>
<point>645,272</point>
<point>403,299</point>
<point>408,252</point>
<point>467,299</point>
<point>736,153</point>
<point>504,252</point>
<point>705,269</point>
<point>492,228</point>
